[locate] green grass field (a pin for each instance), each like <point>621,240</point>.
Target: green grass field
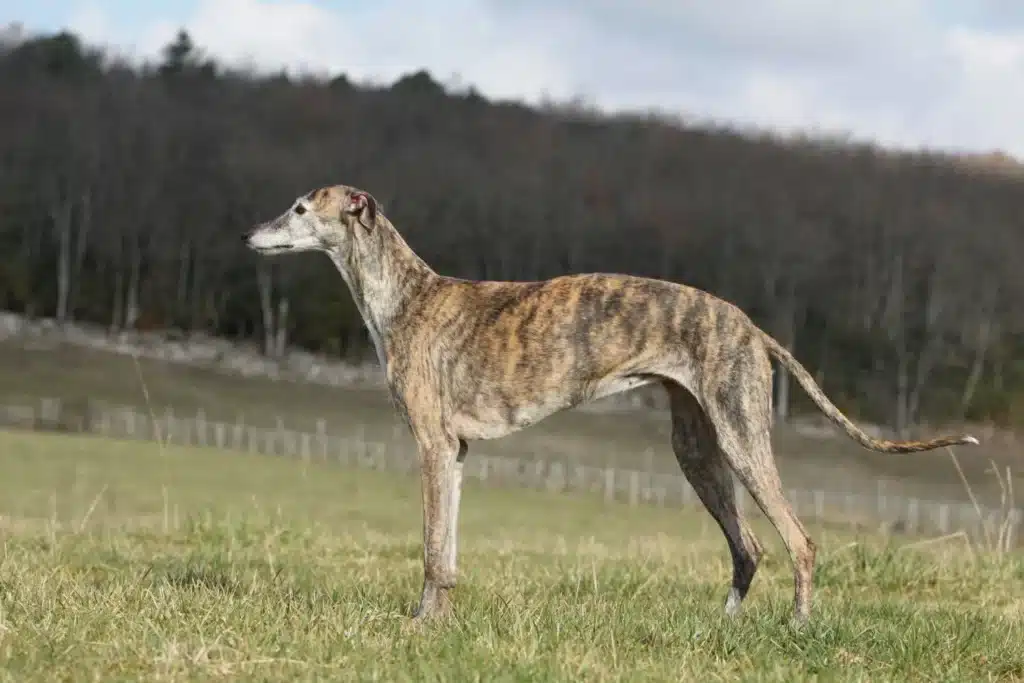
<point>633,440</point>
<point>123,562</point>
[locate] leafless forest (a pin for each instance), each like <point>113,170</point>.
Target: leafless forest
<point>895,278</point>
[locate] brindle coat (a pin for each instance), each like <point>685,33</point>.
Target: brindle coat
<point>469,360</point>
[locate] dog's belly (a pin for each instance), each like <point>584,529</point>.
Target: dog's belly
<point>492,419</point>
<point>493,416</point>
<point>617,385</point>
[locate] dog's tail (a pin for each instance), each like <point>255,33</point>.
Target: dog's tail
<point>833,413</point>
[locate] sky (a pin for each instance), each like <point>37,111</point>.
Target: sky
<point>941,74</point>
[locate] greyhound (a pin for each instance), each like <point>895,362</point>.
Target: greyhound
<point>469,360</point>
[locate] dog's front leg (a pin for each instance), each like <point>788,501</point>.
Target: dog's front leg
<point>441,481</point>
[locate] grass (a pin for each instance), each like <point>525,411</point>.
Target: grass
<point>635,440</point>
<point>122,561</point>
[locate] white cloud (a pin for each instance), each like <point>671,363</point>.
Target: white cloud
<point>985,55</point>
<point>895,71</point>
<point>89,20</point>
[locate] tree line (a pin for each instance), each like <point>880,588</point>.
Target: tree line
<point>124,189</point>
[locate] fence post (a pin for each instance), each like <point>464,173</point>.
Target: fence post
<point>279,435</point>
<point>634,487</point>
<point>944,518</point>
<point>321,435</point>
<point>167,431</point>
<point>201,427</point>
<point>609,484</point>
<point>238,433</point>
<point>913,515</point>
<point>555,479</point>
<point>360,439</point>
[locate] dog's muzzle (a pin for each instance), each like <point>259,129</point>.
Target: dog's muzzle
<point>248,235</point>
<point>256,239</point>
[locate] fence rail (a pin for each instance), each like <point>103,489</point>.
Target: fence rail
<point>636,487</point>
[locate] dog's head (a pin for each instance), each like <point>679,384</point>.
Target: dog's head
<point>326,218</point>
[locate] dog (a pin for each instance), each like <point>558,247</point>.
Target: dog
<point>468,360</point>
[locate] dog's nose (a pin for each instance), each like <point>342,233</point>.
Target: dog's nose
<point>246,235</point>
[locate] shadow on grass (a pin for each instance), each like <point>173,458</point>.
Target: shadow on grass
<point>200,577</point>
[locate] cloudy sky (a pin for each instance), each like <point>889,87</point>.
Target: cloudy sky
<point>945,74</point>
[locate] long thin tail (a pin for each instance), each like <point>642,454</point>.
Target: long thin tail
<point>833,413</point>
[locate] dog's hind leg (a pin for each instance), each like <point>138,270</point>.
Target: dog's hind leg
<point>741,415</point>
<point>696,448</point>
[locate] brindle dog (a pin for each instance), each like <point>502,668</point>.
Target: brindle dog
<point>469,360</point>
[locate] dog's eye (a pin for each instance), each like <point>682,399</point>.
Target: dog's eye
<point>300,209</point>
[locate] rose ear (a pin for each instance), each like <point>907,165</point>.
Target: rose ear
<point>363,204</point>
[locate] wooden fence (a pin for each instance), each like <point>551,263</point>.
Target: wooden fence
<point>897,514</point>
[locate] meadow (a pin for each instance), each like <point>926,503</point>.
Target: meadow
<point>130,561</point>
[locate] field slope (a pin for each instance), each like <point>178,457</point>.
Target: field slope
<point>122,561</point>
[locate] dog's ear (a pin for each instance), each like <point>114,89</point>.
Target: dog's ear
<point>363,205</point>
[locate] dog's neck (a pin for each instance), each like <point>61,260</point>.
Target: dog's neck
<point>383,273</point>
